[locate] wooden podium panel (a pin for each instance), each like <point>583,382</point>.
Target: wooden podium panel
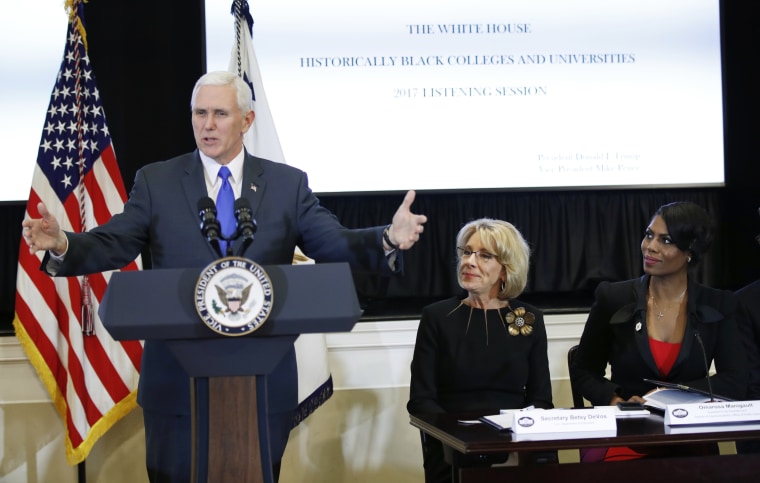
<point>234,453</point>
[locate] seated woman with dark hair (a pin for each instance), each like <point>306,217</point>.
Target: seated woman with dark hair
<point>656,327</point>
<point>484,350</point>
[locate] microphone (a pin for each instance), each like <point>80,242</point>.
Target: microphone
<point>246,225</point>
<point>707,366</point>
<point>210,226</point>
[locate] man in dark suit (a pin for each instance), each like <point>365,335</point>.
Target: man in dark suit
<point>162,215</point>
<point>748,315</point>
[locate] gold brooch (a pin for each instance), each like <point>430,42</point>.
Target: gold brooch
<point>520,322</point>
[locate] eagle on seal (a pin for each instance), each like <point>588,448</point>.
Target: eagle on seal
<point>233,297</point>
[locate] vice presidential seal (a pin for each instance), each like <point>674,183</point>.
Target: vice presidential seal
<point>233,296</point>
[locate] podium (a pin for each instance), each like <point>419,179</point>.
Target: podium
<point>229,374</point>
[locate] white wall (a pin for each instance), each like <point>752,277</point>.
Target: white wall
<point>361,434</point>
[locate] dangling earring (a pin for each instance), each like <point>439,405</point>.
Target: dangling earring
<point>503,285</point>
<point>688,259</point>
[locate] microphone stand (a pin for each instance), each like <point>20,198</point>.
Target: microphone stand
<point>707,366</point>
<point>247,240</point>
<point>246,243</point>
<point>229,241</point>
<point>215,245</point>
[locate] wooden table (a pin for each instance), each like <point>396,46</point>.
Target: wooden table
<point>481,439</point>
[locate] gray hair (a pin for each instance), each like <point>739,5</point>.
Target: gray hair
<point>224,78</point>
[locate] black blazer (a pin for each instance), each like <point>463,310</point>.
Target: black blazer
<point>616,333</point>
<point>748,315</point>
<point>162,215</point>
<point>465,360</point>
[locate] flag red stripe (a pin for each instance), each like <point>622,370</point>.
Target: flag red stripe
<point>71,207</point>
<point>99,205</point>
<point>31,206</point>
<point>109,162</point>
<point>109,377</point>
<point>133,349</point>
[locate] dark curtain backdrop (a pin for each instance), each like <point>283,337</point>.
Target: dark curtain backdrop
<point>578,238</point>
<point>147,58</point>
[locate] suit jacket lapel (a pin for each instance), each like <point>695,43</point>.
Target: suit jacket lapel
<point>689,335</point>
<point>254,184</point>
<point>252,188</point>
<point>194,186</point>
<point>642,336</point>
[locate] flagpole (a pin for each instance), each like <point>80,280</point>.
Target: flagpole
<point>81,472</point>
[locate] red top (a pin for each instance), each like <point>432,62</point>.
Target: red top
<point>664,354</point>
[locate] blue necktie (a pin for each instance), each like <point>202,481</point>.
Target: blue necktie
<point>225,207</point>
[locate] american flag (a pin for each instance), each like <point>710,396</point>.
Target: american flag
<point>91,379</point>
<point>315,385</point>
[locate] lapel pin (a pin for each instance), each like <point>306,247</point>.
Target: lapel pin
<point>638,326</point>
<point>254,187</point>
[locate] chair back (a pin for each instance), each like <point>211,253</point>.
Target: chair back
<point>578,401</point>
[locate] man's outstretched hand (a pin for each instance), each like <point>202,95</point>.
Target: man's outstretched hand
<point>44,233</point>
<point>406,228</point>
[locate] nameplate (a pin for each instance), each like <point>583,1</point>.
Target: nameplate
<point>607,433</point>
<point>599,419</point>
<point>712,413</point>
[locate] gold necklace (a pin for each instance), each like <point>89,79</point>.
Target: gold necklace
<point>661,313</point>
